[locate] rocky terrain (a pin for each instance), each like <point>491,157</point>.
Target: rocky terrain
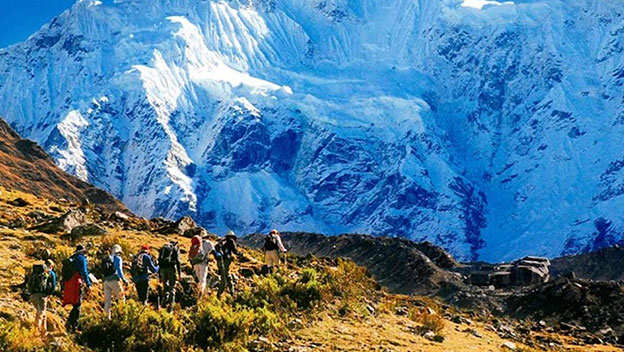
<point>604,264</point>
<point>25,166</point>
<point>586,310</point>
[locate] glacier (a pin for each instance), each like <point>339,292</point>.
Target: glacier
<point>492,128</point>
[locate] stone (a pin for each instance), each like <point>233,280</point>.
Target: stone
<point>509,346</point>
<point>195,231</point>
<point>56,209</point>
<point>65,223</point>
<point>38,215</point>
<point>438,338</point>
<point>180,227</point>
<point>18,202</point>
<point>120,216</point>
<point>473,332</point>
<point>402,311</point>
<point>88,230</point>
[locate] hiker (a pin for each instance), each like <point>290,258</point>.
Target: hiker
<point>41,284</point>
<point>225,251</point>
<point>76,277</point>
<point>112,272</point>
<point>199,255</point>
<point>170,271</point>
<point>142,267</point>
<point>273,244</point>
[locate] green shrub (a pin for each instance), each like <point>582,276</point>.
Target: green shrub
<point>305,292</point>
<point>217,324</point>
<point>21,337</point>
<point>265,291</point>
<point>133,327</point>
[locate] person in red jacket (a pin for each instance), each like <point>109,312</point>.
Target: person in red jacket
<point>73,292</point>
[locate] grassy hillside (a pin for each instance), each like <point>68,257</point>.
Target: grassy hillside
<point>310,304</point>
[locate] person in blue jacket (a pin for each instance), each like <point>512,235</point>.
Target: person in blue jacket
<point>82,275</point>
<point>143,267</point>
<point>111,284</point>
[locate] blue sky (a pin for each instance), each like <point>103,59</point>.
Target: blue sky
<point>21,18</point>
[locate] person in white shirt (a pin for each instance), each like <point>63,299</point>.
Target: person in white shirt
<point>199,255</point>
<point>272,247</point>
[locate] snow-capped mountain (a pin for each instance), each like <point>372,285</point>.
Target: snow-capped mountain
<point>492,129</point>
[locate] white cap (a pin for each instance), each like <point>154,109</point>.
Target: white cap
<point>116,249</point>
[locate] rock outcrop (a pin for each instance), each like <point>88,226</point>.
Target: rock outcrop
<point>63,224</point>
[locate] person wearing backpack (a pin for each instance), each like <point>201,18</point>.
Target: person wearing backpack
<point>225,251</point>
<point>112,272</point>
<point>273,244</point>
<point>199,255</point>
<point>75,277</point>
<point>142,267</point>
<point>40,285</point>
<point>170,270</point>
<point>52,274</point>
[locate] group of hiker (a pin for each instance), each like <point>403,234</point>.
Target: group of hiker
<point>77,281</point>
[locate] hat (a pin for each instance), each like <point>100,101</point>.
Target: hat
<point>80,248</point>
<point>116,249</point>
<point>231,234</point>
<point>145,247</point>
<point>274,231</point>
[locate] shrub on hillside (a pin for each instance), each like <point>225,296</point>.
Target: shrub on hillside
<point>283,294</point>
<point>216,324</point>
<point>133,327</point>
<point>306,291</point>
<point>21,337</point>
<point>430,320</point>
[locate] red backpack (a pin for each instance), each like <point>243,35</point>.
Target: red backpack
<point>195,248</point>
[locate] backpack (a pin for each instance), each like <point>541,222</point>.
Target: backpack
<point>197,255</point>
<point>168,255</point>
<point>68,268</point>
<point>107,266</point>
<point>226,247</point>
<point>38,281</point>
<point>138,268</point>
<point>270,243</point>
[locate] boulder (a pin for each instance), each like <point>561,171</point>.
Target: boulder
<point>180,227</point>
<point>510,346</point>
<point>89,229</point>
<point>38,215</point>
<point>195,231</point>
<point>119,216</point>
<point>65,223</point>
<point>18,202</point>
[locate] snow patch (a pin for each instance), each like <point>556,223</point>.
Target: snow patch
<point>479,4</point>
<point>73,158</point>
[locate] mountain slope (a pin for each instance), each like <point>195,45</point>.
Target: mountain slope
<point>604,264</point>
<point>493,130</point>
<point>26,167</point>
